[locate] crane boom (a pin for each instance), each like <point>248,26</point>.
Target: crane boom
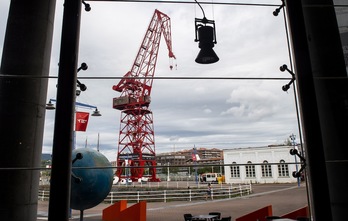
<point>136,146</point>
<point>137,83</point>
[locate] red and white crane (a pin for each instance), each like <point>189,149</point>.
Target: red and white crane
<point>136,144</point>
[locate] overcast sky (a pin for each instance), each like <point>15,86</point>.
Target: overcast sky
<point>203,113</point>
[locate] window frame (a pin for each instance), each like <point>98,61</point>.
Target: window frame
<point>235,170</point>
<point>250,171</point>
<point>266,170</point>
<point>283,169</point>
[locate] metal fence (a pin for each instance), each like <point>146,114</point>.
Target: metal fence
<point>178,194</point>
<point>168,195</point>
<point>44,195</point>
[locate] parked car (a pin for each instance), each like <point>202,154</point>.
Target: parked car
<point>126,181</point>
<point>211,178</point>
<point>143,180</point>
<point>115,181</point>
<point>122,181</point>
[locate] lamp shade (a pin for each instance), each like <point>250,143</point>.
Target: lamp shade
<point>96,113</point>
<point>50,106</point>
<point>207,56</point>
<point>206,44</point>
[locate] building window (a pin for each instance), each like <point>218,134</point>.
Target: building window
<point>283,169</point>
<point>266,169</point>
<point>250,170</point>
<point>235,171</point>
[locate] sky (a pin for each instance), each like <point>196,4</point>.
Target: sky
<point>209,113</point>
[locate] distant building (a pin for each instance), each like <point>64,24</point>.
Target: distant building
<point>114,163</point>
<point>271,164</point>
<point>186,157</point>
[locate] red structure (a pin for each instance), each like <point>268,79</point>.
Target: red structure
<point>259,214</point>
<point>136,145</point>
<point>119,211</point>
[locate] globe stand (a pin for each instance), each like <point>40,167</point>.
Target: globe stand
<point>78,156</point>
<point>81,215</point>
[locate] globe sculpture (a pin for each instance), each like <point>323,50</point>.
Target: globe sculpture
<point>90,184</point>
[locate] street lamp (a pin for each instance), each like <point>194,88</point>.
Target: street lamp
<point>62,147</point>
<point>195,163</point>
<point>96,112</point>
<point>206,36</point>
<point>50,106</point>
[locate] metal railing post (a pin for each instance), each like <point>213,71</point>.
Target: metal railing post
<point>43,195</point>
<point>165,196</point>
<point>229,192</point>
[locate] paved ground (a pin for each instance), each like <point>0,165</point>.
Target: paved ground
<point>284,198</point>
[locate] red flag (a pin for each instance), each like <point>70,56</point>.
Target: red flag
<point>81,121</point>
<point>194,157</point>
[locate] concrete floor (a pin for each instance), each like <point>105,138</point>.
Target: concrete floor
<point>284,198</point>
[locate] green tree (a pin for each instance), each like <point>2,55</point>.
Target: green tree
<point>174,170</point>
<point>287,142</point>
<point>204,170</point>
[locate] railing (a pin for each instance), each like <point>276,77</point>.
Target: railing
<point>44,195</point>
<point>169,195</point>
<point>178,195</point>
<point>172,184</point>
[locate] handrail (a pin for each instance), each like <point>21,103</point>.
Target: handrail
<point>169,195</point>
<point>178,194</point>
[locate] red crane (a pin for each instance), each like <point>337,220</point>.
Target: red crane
<point>136,145</point>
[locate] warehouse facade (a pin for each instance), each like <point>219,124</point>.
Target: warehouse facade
<point>270,164</point>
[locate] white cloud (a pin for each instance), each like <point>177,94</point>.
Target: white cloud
<point>251,103</point>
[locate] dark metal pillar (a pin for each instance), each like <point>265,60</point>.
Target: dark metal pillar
<point>323,94</point>
<point>63,129</point>
<point>23,89</point>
